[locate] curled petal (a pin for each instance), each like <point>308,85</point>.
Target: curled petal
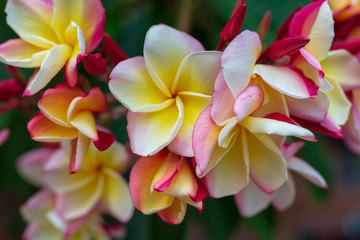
<point>175,213</point>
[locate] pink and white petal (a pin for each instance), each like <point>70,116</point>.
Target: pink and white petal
<point>19,53</point>
<point>251,200</point>
<point>164,124</point>
<point>340,106</point>
<point>164,50</point>
<point>43,130</point>
<point>322,33</point>
<point>268,168</point>
<point>55,103</point>
<point>304,169</point>
<point>131,84</point>
<point>197,73</point>
<point>231,174</point>
<point>343,67</point>
<point>193,105</point>
<point>31,21</point>
<point>247,102</point>
<point>56,174</point>
<point>30,165</point>
<point>50,66</point>
<point>4,135</point>
<point>351,133</point>
<point>205,143</point>
<point>290,149</point>
<point>284,196</point>
<point>222,101</point>
<point>314,109</point>
<point>79,150</point>
<point>95,102</point>
<point>282,125</point>
<point>175,213</point>
<point>73,205</point>
<point>116,196</point>
<point>140,182</point>
<point>287,80</point>
<point>35,208</point>
<point>238,60</point>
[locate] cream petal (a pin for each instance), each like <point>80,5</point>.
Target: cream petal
<point>132,85</point>
<point>284,196</point>
<point>164,124</point>
<point>164,50</point>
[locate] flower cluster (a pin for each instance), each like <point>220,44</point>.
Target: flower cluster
<point>203,122</point>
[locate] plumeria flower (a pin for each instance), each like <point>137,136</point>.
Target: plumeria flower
<point>227,155</point>
<point>45,223</point>
<point>165,183</point>
<point>327,112</point>
<point>251,200</point>
<point>98,184</point>
<point>53,34</point>
<point>68,114</point>
<point>165,90</point>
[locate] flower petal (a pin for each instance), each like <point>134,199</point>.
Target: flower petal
<point>31,21</point>
<point>55,103</point>
<point>89,15</point>
<point>248,102</point>
<point>280,125</point>
<point>164,124</point>
<point>79,150</point>
<point>284,196</point>
<point>194,104</point>
<point>50,66</point>
<point>343,68</point>
<point>238,60</point>
<point>222,101</point>
<point>175,213</point>
<point>267,166</point>
<point>19,53</point>
<point>76,204</point>
<point>251,200</point>
<point>164,50</point>
<point>116,196</point>
<point>304,169</point>
<point>231,174</point>
<point>197,73</point>
<point>132,85</point>
<point>287,80</point>
<point>141,178</point>
<point>43,130</point>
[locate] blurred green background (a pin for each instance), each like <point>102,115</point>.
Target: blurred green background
<point>127,22</point>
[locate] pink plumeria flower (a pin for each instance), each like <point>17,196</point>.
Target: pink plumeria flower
<point>97,184</point>
<point>251,200</point>
<point>327,112</point>
<point>227,155</point>
<point>165,90</point>
<point>45,223</point>
<point>165,183</point>
<point>68,114</point>
<point>53,34</point>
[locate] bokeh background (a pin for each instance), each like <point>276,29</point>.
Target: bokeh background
<point>316,214</point>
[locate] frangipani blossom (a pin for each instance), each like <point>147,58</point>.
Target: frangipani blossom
<point>228,155</point>
<point>331,108</point>
<point>53,34</point>
<point>251,200</point>
<point>165,183</point>
<point>98,184</point>
<point>45,223</point>
<point>165,90</point>
<point>67,114</point>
